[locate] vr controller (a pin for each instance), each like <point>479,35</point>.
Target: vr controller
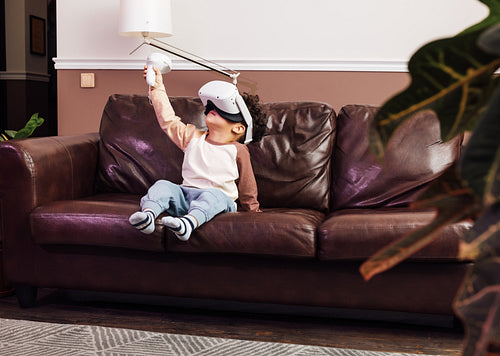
<point>160,61</point>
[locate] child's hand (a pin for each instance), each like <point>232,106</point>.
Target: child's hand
<point>158,79</point>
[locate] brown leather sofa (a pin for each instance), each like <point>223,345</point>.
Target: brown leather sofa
<point>327,205</point>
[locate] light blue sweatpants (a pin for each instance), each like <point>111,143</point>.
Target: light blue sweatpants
<point>176,200</point>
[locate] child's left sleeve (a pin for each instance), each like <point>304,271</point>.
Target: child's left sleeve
<point>247,186</point>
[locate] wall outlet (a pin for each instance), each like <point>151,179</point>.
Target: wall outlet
<point>87,80</point>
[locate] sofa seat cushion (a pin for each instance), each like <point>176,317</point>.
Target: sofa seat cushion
<point>278,232</point>
<point>356,234</point>
<point>100,220</point>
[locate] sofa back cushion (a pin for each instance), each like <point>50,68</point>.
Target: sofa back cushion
<point>133,150</point>
<point>291,163</point>
<point>415,156</point>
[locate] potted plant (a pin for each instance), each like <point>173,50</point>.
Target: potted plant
<point>34,122</point>
<point>455,77</point>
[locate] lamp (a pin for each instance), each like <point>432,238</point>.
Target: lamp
<point>149,19</point>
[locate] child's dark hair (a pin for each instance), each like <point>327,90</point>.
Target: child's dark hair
<point>258,115</point>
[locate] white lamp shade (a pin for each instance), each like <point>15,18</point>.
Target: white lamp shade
<point>145,18</point>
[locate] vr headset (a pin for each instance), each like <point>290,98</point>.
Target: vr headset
<point>224,98</point>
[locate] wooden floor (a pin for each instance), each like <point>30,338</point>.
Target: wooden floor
<point>60,307</point>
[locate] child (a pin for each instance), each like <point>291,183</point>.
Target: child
<point>216,169</point>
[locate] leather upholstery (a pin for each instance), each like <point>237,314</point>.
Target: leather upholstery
<point>413,157</point>
<point>266,234</point>
<point>134,152</point>
<point>327,205</point>
<point>291,163</point>
<point>101,220</point>
<point>40,170</point>
<point>356,234</point>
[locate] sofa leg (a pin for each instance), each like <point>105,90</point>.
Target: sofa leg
<point>26,295</point>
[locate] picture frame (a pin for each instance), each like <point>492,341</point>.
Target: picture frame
<point>37,35</point>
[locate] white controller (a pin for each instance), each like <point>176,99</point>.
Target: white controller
<point>160,61</point>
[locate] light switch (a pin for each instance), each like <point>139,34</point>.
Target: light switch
<point>87,80</point>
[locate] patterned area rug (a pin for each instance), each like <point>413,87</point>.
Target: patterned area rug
<point>30,338</point>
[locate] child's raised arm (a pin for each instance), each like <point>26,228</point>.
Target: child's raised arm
<point>169,122</point>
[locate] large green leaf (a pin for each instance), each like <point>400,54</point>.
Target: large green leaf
<point>481,160</point>
<point>451,76</point>
<point>455,78</point>
<point>478,305</point>
<point>489,40</point>
<point>483,240</point>
<point>493,18</point>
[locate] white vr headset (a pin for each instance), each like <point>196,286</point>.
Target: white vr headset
<point>227,101</point>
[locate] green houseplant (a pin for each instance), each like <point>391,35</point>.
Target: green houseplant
<point>455,77</point>
<point>34,122</point>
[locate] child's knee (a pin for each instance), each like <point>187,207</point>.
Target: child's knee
<point>162,188</point>
<point>161,195</point>
<point>162,185</point>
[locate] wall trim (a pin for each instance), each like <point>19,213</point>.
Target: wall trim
<point>254,65</point>
<point>35,77</point>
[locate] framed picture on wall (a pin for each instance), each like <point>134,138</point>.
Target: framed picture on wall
<point>37,35</point>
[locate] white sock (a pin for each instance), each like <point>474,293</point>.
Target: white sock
<point>182,227</point>
<point>144,221</point>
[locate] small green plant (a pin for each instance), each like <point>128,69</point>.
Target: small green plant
<point>34,122</point>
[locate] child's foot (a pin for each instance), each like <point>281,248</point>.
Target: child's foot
<point>182,227</point>
<point>144,221</point>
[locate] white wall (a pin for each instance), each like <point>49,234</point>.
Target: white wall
<point>269,34</point>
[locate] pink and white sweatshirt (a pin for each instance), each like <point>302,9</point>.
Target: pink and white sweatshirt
<point>207,164</point>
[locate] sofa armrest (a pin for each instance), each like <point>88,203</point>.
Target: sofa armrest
<point>36,171</point>
<point>48,168</point>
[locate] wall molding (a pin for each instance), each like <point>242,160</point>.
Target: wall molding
<point>242,65</point>
<point>35,77</point>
